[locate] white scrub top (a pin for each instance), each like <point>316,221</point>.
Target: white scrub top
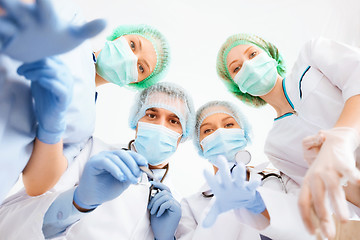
<point>17,119</point>
<point>325,75</point>
<point>125,217</point>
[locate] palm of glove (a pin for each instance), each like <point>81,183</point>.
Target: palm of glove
<point>165,213</point>
<point>106,175</point>
<point>51,88</point>
<point>232,191</point>
<point>31,32</point>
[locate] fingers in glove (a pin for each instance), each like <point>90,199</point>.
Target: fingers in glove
<point>168,205</point>
<point>337,197</point>
<point>211,217</point>
<point>140,160</point>
<point>318,192</point>
<point>223,171</point>
<point>158,202</point>
<point>212,182</point>
<point>45,11</point>
<point>156,197</point>
<point>130,162</point>
<point>305,206</point>
<point>239,175</point>
<point>160,186</point>
<point>107,165</point>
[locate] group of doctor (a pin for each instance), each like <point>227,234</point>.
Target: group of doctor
<point>78,187</point>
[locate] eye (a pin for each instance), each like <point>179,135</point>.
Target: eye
<point>174,121</point>
<point>253,54</point>
<point>150,115</point>
<point>229,125</point>
<point>237,69</point>
<point>207,131</point>
<point>141,69</point>
<point>132,45</point>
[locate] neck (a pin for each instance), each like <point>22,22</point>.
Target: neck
<point>276,98</point>
<point>98,79</point>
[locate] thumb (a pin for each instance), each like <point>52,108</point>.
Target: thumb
<point>211,217</point>
<point>88,30</point>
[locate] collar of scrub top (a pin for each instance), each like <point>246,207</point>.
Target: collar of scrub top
<point>289,101</point>
<point>94,57</point>
<point>95,60</point>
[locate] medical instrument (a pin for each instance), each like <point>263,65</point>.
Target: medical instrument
<point>243,156</point>
<point>149,173</point>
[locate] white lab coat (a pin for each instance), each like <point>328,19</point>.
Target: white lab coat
<point>125,217</point>
<point>17,119</point>
<point>318,99</point>
<point>227,226</point>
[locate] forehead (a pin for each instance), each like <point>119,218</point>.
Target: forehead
<point>238,51</point>
<point>216,118</point>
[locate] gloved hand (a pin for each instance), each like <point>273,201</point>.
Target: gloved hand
<point>334,163</point>
<point>106,175</point>
<point>232,191</point>
<point>165,213</point>
<point>51,88</point>
<point>30,32</point>
<point>311,147</point>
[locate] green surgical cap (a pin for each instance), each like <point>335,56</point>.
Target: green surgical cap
<point>161,47</point>
<point>223,72</point>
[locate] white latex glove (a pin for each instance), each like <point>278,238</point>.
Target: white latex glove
<point>334,163</point>
<point>311,147</point>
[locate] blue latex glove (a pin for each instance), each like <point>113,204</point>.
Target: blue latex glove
<point>232,191</point>
<point>30,32</point>
<point>51,88</point>
<point>106,175</point>
<point>165,213</point>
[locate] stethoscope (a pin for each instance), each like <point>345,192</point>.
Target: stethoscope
<point>153,190</point>
<point>244,156</point>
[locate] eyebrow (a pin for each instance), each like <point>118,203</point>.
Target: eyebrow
<point>202,125</point>
<point>174,115</point>
<point>224,119</point>
<point>151,109</point>
<point>140,46</point>
<point>248,49</point>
